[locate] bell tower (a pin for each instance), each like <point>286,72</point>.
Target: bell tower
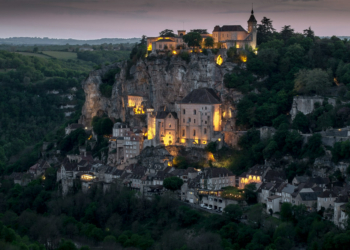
<point>252,29</point>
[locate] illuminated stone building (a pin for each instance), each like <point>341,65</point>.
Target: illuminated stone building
<point>255,175</point>
<point>195,122</point>
<point>236,35</point>
<point>163,43</point>
<point>135,102</point>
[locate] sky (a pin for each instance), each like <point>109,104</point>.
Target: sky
<point>94,19</point>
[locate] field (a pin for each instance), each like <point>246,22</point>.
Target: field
<point>61,55</point>
<point>33,54</point>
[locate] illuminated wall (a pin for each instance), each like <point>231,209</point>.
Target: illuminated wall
<point>217,118</point>
<point>136,103</point>
<point>151,127</point>
<point>219,60</point>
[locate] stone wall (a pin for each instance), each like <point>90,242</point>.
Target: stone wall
<point>306,104</point>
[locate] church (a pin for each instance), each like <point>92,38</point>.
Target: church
<point>195,122</point>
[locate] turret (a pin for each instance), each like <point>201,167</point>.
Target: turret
<point>252,29</point>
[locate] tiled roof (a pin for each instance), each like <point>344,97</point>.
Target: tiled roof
<point>164,114</point>
<point>308,196</point>
<point>202,96</point>
<point>229,28</point>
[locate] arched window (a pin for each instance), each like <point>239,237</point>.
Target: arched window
<point>183,132</point>
<point>194,132</point>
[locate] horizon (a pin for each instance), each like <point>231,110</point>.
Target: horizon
<point>97,19</point>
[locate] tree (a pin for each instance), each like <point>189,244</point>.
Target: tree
<point>167,33</point>
<point>265,30</point>
<point>315,81</point>
<point>233,212</point>
<point>35,50</point>
<point>250,193</point>
<point>209,42</point>
<point>309,33</point>
<point>301,123</point>
<point>173,183</point>
<point>287,32</point>
<point>231,52</point>
<point>193,39</point>
<point>286,212</point>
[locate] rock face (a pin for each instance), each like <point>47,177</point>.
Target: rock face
<point>162,80</point>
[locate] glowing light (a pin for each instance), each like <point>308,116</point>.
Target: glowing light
<point>195,141</point>
<point>183,140</point>
<point>243,58</point>
<point>43,177</point>
<point>204,142</point>
<point>237,46</point>
<point>87,177</point>
<point>149,48</point>
<point>219,60</point>
<point>219,139</point>
<point>90,137</point>
<point>174,52</point>
<point>169,163</point>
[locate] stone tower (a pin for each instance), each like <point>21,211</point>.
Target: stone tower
<point>252,29</point>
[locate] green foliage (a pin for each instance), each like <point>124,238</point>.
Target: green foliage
<point>340,151</point>
<point>102,126</point>
<point>313,148</point>
<point>211,147</point>
<point>314,81</point>
<point>108,81</point>
<point>301,123</point>
<point>172,183</point>
<point>180,162</point>
<point>209,42</point>
<point>240,81</point>
<point>185,56</point>
<point>167,33</point>
<point>103,57</point>
<point>193,39</point>
<point>233,212</point>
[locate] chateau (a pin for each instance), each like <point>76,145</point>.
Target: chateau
<point>225,37</point>
<point>196,121</point>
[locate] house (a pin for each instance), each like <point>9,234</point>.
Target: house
<point>299,179</point>
<point>273,203</point>
<point>254,175</point>
<point>39,168</point>
<point>339,203</point>
<point>135,103</point>
<point>216,178</point>
<point>309,199</point>
<point>22,179</point>
<point>287,192</point>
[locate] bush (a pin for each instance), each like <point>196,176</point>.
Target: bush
<point>185,56</point>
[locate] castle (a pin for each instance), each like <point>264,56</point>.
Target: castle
<point>195,122</point>
<point>225,37</point>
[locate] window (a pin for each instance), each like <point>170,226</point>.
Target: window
<point>169,125</point>
<point>194,132</point>
<point>184,111</point>
<point>169,133</point>
<point>205,108</point>
<point>169,116</point>
<point>194,120</point>
<point>162,124</point>
<point>194,112</point>
<point>183,132</point>
<point>205,131</point>
<point>189,119</point>
<point>183,120</point>
<point>205,122</point>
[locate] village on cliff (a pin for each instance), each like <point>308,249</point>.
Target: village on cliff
<point>169,111</point>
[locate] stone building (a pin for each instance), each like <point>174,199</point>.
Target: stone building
<point>195,122</point>
<point>135,103</point>
<point>164,43</point>
<point>236,36</point>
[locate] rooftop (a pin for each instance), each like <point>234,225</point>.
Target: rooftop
<point>202,96</point>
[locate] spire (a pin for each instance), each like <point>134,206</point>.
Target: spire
<point>252,9</point>
<point>252,17</point>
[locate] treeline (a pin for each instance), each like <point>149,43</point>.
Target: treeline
<point>102,56</point>
<point>27,111</point>
<point>120,218</point>
<point>287,64</point>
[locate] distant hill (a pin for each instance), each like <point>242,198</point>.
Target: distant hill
<point>54,41</point>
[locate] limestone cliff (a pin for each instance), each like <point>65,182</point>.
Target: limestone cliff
<point>162,80</point>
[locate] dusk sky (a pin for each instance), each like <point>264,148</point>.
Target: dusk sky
<point>93,19</point>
